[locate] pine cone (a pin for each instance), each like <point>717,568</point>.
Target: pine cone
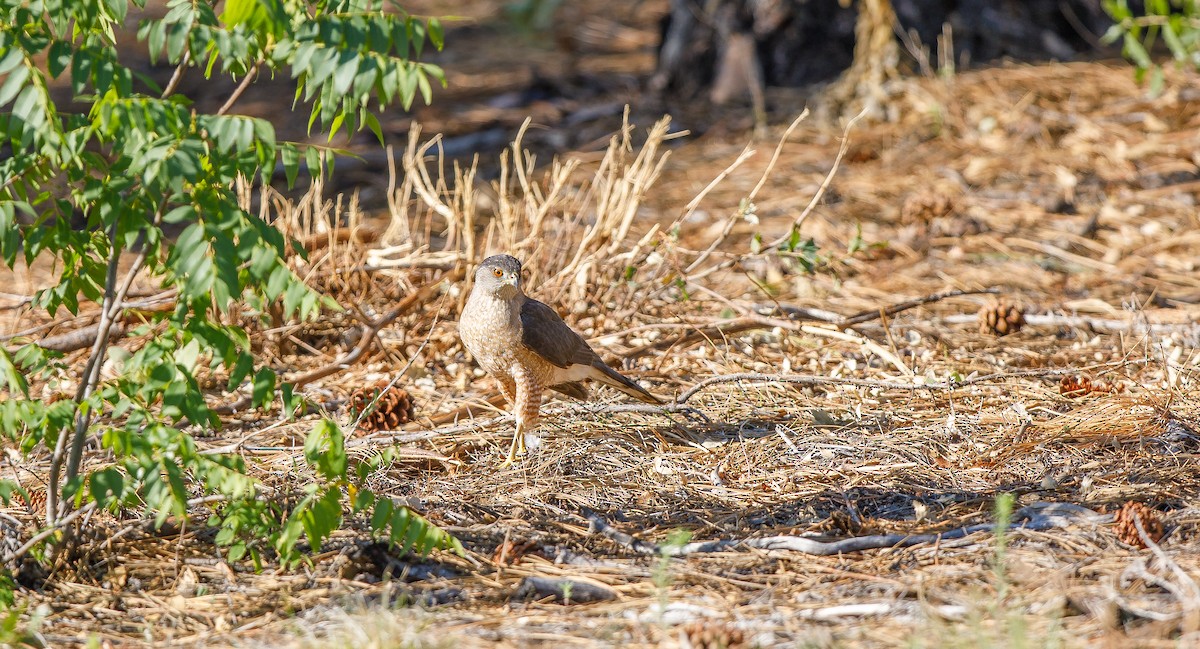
<point>709,634</point>
<point>1126,530</point>
<point>393,409</point>
<point>1001,318</point>
<point>35,504</point>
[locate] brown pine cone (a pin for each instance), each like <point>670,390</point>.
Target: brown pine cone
<point>35,504</point>
<point>393,409</point>
<point>711,634</point>
<point>1001,318</point>
<point>1126,530</point>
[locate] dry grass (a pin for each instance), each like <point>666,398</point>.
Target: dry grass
<point>1058,185</point>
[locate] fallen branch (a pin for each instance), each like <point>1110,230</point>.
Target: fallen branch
<point>1049,373</point>
<point>85,337</point>
<point>867,345</point>
<point>795,316</point>
<point>372,329</point>
<point>835,613</point>
<point>874,314</point>
<point>1185,589</point>
<point>706,332</point>
<point>563,591</point>
<point>79,338</point>
<point>1039,516</point>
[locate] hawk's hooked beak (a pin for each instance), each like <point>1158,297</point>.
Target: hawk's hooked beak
<point>508,286</point>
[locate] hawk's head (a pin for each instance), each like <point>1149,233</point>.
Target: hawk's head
<point>499,276</point>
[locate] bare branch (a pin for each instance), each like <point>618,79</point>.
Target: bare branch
<point>251,75</point>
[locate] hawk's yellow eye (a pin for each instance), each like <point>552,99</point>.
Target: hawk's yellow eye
<point>498,273</point>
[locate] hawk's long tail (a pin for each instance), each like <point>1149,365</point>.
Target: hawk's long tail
<point>611,377</point>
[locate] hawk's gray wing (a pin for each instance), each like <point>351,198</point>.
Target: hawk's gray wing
<point>544,333</point>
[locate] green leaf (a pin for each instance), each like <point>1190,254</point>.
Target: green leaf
<point>324,516</point>
<point>13,84</point>
<point>1157,81</point>
<point>1118,9</point>
<point>400,38</point>
<point>8,488</point>
<point>1174,43</point>
<point>372,123</point>
<point>347,68</point>
<point>263,392</point>
<point>336,125</point>
<point>240,370</point>
<point>107,486</point>
<point>423,84</point>
<point>236,551</point>
<point>382,515</point>
<point>58,58</point>
<point>155,35</point>
<point>413,533</point>
<point>399,527</point>
<point>226,285</point>
<point>363,499</point>
<point>292,402</point>
<point>177,36</point>
<point>11,58</point>
<point>117,9</point>
<point>436,33</point>
<point>1137,52</point>
<point>408,86</point>
<point>325,449</point>
<point>416,35</point>
<point>239,11</point>
<point>180,214</point>
<point>289,155</point>
<point>312,157</point>
<point>10,376</point>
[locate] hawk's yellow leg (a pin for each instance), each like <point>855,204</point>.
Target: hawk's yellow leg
<point>517,447</point>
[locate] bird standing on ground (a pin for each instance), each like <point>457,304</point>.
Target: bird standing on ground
<point>527,347</point>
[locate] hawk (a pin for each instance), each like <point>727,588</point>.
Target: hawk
<point>527,347</point>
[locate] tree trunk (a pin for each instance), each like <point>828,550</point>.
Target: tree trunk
<point>876,54</point>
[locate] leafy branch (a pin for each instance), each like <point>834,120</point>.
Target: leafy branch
<point>90,189</point>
